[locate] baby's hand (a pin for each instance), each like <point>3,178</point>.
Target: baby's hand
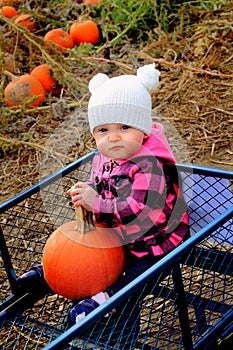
<point>83,195</point>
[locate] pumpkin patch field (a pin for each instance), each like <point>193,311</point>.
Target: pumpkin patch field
<point>62,44</point>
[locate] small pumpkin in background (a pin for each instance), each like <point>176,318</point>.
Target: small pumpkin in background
<point>59,39</point>
<point>85,32</point>
<point>27,21</point>
<point>8,11</point>
<point>93,2</point>
<point>80,260</point>
<point>44,73</point>
<point>24,89</point>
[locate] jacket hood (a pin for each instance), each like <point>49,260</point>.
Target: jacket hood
<point>157,145</point>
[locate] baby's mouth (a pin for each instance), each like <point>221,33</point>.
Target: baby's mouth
<point>115,147</point>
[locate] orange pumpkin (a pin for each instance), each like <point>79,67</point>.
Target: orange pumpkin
<point>78,265</point>
<point>93,2</point>
<point>22,90</point>
<point>8,11</point>
<point>85,32</point>
<point>58,38</point>
<point>27,21</point>
<point>44,73</point>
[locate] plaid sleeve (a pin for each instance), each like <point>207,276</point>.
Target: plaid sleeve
<point>139,193</point>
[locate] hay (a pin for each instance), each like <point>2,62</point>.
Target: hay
<point>194,99</point>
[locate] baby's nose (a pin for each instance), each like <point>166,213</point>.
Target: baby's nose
<point>114,136</point>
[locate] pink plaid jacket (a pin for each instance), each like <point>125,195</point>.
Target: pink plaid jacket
<point>141,198</point>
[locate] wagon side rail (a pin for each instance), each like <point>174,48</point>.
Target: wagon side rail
<point>25,195</point>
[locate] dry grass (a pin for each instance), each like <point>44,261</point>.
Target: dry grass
<point>194,99</point>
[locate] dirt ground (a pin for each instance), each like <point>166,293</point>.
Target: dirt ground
<point>194,100</point>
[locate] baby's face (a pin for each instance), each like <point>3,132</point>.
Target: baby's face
<point>118,141</point>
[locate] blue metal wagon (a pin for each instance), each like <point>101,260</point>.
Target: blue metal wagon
<point>185,301</point>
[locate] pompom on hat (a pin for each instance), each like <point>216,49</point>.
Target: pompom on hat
<point>124,99</point>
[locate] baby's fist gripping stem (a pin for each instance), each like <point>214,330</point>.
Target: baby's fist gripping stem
<point>84,218</point>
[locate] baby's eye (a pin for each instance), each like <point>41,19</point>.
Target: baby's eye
<point>125,127</point>
<point>103,130</point>
<point>100,130</point>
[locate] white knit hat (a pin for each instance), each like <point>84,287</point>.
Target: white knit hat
<point>124,99</point>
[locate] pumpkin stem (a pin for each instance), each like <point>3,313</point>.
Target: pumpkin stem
<point>84,220</point>
<point>10,75</point>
